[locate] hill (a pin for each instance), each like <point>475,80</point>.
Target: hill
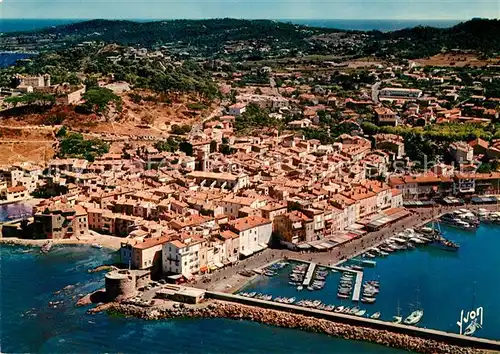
<point>212,37</point>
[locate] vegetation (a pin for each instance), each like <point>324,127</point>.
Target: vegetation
<point>254,117</point>
<point>74,145</point>
<point>180,129</point>
<point>32,99</point>
<point>170,145</point>
<point>97,99</point>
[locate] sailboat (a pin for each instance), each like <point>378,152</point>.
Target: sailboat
<point>416,315</point>
<point>398,318</point>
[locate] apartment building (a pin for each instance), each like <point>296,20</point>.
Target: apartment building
<point>254,234</point>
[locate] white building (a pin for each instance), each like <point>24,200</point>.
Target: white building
<point>181,257</point>
<point>254,234</point>
<point>400,92</point>
<point>237,109</point>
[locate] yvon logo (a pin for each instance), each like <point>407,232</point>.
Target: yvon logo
<point>470,316</point>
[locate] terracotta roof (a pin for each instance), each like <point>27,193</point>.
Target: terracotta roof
<point>249,222</point>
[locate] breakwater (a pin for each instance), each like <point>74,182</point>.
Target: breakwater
<point>222,309</point>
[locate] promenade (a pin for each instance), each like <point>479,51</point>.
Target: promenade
<point>228,279</point>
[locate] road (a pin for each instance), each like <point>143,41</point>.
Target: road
<point>375,89</point>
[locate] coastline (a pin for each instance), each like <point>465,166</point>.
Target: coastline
<point>14,241</point>
<point>234,311</point>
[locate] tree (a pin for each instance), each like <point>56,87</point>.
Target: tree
<point>213,146</point>
<point>74,145</point>
<point>97,99</point>
<point>170,145</point>
<point>180,129</point>
<point>32,99</point>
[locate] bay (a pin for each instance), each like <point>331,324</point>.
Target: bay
<point>28,324</point>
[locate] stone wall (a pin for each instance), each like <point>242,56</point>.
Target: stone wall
<point>221,309</point>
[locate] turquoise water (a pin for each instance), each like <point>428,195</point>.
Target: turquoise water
<point>443,282</point>
<point>27,324</point>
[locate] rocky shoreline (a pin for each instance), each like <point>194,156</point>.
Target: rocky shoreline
<point>220,309</point>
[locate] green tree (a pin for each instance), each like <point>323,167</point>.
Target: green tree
<point>97,99</point>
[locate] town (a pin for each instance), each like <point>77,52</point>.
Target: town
<point>342,182</point>
<point>303,160</point>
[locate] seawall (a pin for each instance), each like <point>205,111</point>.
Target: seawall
<point>237,311</point>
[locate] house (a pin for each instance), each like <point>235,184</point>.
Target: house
<point>61,221</point>
<point>386,116</point>
<point>391,143</point>
<point>144,255</point>
<point>254,234</point>
<point>461,152</point>
<point>181,257</point>
<point>14,194</point>
<point>398,92</point>
<point>220,180</point>
<point>479,146</point>
<point>237,109</point>
<point>294,227</point>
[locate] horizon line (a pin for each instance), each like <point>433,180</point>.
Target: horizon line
<point>241,18</point>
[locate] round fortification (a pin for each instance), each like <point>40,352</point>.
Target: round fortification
<point>120,284</point>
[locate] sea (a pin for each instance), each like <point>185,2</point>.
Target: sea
<point>38,293</point>
<point>441,282</point>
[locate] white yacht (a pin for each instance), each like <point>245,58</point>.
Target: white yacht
<point>414,317</point>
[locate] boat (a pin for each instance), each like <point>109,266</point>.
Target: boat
<point>368,300</point>
<point>291,300</point>
<point>360,313</point>
<point>397,318</point>
<point>414,317</point>
<point>356,267</point>
<point>252,294</point>
<point>310,288</point>
<point>342,296</point>
<point>339,309</point>
<point>452,220</point>
<point>354,310</point>
<point>300,288</point>
<point>375,316</point>
<point>369,263</point>
<point>269,273</point>
<point>330,308</point>
<point>316,303</point>
<point>96,245</point>
<point>46,247</point>
<point>446,245</point>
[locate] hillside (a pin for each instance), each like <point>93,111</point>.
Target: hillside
<point>478,34</point>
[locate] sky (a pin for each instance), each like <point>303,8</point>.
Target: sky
<point>268,9</point>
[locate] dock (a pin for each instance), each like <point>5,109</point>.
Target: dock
<point>309,274</point>
<point>357,286</point>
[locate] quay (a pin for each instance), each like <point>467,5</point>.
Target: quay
<point>357,286</point>
<point>309,274</point>
<point>413,331</point>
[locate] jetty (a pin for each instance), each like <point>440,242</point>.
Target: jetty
<point>309,274</point>
<point>357,286</point>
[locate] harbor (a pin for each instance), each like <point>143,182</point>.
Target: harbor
<point>421,281</point>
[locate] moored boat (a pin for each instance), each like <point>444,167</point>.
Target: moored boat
<point>414,317</point>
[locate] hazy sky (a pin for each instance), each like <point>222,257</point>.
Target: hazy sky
<point>275,9</point>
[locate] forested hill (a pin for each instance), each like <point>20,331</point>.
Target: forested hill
<point>196,32</point>
<point>481,35</point>
<point>210,36</point>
